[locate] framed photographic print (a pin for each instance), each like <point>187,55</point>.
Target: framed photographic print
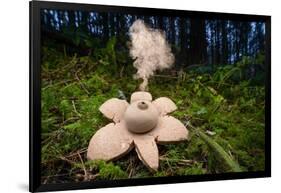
<point>124,96</point>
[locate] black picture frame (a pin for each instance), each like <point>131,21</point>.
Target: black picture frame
<point>35,98</point>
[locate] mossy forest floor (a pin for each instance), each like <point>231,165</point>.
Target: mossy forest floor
<point>224,106</point>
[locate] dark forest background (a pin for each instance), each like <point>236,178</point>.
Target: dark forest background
<point>194,40</point>
<point>217,83</point>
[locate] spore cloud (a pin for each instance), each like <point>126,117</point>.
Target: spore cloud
<point>150,51</point>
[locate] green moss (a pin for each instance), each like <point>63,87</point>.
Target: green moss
<point>108,170</point>
<point>73,88</point>
<point>196,169</point>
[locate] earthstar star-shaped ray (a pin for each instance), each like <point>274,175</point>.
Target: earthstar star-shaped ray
<point>141,124</point>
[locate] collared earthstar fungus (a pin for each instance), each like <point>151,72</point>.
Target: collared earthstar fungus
<point>142,125</point>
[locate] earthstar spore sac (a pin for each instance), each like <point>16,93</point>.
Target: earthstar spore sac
<point>141,124</point>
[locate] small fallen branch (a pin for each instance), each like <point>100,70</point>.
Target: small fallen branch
<point>179,161</point>
<point>165,76</point>
<point>81,151</point>
<point>83,166</point>
<point>81,84</point>
<point>75,110</point>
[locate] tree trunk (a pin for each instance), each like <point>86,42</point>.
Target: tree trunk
<point>112,24</point>
<point>198,45</point>
<point>224,43</point>
<point>172,30</point>
<point>183,41</point>
<point>104,17</point>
